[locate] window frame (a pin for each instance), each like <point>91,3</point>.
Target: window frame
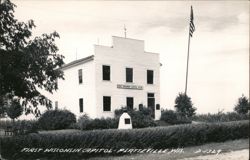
<point>148,78</point>
<point>128,73</point>
<point>127,98</point>
<point>81,110</point>
<point>103,104</point>
<point>103,73</point>
<point>80,79</point>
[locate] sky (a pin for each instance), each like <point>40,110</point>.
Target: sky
<point>219,48</point>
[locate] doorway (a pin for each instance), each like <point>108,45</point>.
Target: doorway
<point>151,103</point>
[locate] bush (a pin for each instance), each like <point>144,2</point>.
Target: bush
<point>85,123</point>
<point>155,138</point>
<point>56,119</point>
<point>21,126</point>
<point>140,118</point>
<point>5,123</point>
<point>25,127</point>
<point>220,117</point>
<point>171,117</point>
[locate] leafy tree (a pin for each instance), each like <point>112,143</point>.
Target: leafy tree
<point>25,64</point>
<point>14,110</point>
<point>184,106</point>
<point>242,106</point>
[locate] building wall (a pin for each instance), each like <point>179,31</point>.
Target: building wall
<point>70,90</point>
<point>125,53</point>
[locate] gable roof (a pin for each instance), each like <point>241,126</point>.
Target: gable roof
<point>77,62</point>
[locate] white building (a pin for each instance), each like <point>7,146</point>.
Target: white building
<point>120,75</point>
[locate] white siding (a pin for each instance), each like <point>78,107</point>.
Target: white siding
<point>70,91</point>
<point>125,53</point>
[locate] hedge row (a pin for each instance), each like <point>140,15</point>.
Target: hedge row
<point>220,117</point>
<point>20,126</point>
<point>172,117</point>
<point>156,138</point>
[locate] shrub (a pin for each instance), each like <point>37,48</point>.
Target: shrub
<point>220,117</point>
<point>171,117</point>
<point>140,118</point>
<point>155,138</point>
<point>85,123</point>
<point>56,119</point>
<point>25,127</point>
<point>242,106</point>
<point>5,123</point>
<point>184,105</point>
<point>21,126</point>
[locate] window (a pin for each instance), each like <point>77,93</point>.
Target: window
<point>150,76</point>
<point>130,102</point>
<point>106,72</point>
<point>151,95</point>
<point>106,103</point>
<point>81,104</point>
<point>129,74</point>
<point>56,104</point>
<point>127,120</point>
<point>80,76</point>
<point>157,106</point>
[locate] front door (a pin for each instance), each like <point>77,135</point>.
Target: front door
<point>151,103</point>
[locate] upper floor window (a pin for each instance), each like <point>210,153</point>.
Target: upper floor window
<point>150,76</point>
<point>80,76</point>
<point>129,74</point>
<point>106,72</point>
<point>81,105</point>
<point>106,103</point>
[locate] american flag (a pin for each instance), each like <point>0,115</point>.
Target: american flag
<point>191,27</point>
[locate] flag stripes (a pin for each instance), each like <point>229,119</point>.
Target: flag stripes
<point>191,25</point>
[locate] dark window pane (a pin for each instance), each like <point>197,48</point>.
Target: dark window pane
<point>81,104</point>
<point>129,74</point>
<point>106,103</point>
<point>151,95</point>
<point>130,102</point>
<point>127,120</point>
<point>80,76</point>
<point>157,106</point>
<point>56,104</point>
<point>150,76</point>
<point>106,72</point>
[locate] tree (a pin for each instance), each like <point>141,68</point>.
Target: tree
<point>25,64</point>
<point>14,110</point>
<point>184,106</point>
<point>242,106</point>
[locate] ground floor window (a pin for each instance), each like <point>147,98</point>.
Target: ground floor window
<point>106,103</point>
<point>56,104</point>
<point>130,102</point>
<point>81,105</point>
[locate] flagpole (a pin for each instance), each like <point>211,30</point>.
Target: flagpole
<point>187,61</point>
<point>189,35</point>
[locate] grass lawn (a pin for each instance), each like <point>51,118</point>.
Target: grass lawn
<point>188,151</point>
<point>62,131</point>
